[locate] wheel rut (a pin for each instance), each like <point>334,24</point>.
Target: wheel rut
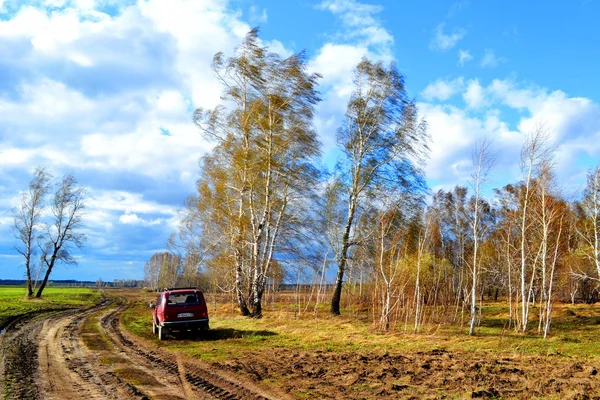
<point>194,379</point>
<point>84,354</point>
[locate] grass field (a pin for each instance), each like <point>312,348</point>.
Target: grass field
<point>14,303</point>
<point>575,331</point>
<point>331,357</point>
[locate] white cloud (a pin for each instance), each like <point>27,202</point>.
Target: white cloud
<point>474,96</point>
<point>443,41</point>
<point>361,25</point>
<point>490,60</point>
<point>443,89</point>
<point>127,203</point>
<point>574,124</point>
<point>464,56</point>
<point>129,219</point>
<point>110,98</point>
<point>133,219</point>
<point>15,156</point>
<point>362,35</point>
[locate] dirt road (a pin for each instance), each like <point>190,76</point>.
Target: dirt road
<point>85,354</point>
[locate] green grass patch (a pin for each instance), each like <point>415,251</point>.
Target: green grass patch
<point>92,335</point>
<point>136,377</point>
<point>13,301</point>
<point>574,333</point>
<point>112,360</point>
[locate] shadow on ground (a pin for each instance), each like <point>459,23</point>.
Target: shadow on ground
<point>222,334</point>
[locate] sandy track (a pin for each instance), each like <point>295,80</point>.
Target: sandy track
<point>69,355</point>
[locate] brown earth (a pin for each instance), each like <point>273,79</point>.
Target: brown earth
<point>59,356</point>
<point>81,354</point>
<point>437,374</point>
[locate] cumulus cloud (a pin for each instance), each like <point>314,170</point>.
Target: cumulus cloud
<point>444,41</point>
<point>443,89</point>
<point>106,90</point>
<point>361,35</point>
<point>474,95</point>
<point>574,125</point>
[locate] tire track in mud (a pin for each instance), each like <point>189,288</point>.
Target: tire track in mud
<point>63,355</point>
<point>67,369</point>
<point>202,382</point>
<point>18,355</point>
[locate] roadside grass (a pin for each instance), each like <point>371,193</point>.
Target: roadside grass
<point>13,302</point>
<point>92,336</point>
<point>574,333</point>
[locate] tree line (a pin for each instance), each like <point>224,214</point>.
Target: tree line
<point>263,206</point>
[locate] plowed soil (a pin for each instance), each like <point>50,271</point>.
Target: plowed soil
<point>421,375</point>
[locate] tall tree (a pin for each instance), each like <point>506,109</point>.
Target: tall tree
<point>261,168</point>
<point>63,231</point>
<point>535,152</point>
<point>380,137</point>
<point>589,226</point>
<point>483,162</point>
<point>27,219</point>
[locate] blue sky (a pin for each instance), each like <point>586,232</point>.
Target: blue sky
<point>106,88</point>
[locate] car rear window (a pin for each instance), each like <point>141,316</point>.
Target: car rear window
<point>182,298</point>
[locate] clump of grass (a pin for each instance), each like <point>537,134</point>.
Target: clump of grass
<point>136,376</point>
<point>112,360</point>
<point>92,336</point>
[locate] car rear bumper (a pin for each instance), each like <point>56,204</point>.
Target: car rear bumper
<point>176,325</point>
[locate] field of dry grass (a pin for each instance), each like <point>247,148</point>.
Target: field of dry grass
<point>312,356</point>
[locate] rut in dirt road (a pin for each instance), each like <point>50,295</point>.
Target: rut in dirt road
<point>69,355</point>
<point>195,379</point>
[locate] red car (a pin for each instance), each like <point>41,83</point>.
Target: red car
<point>179,309</point>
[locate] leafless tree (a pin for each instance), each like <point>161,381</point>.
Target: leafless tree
<point>27,219</point>
<point>589,230</point>
<point>63,230</point>
<point>483,161</point>
<point>534,153</point>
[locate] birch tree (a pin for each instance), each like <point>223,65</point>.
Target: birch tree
<point>534,152</point>
<point>261,168</point>
<point>27,220</point>
<point>380,138</point>
<point>63,231</point>
<point>483,162</point>
<point>589,228</point>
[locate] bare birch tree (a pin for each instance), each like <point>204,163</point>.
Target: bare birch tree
<point>483,161</point>
<point>63,231</point>
<point>589,229</point>
<point>534,152</point>
<point>27,220</point>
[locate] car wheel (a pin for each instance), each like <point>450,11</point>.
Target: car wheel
<point>161,333</point>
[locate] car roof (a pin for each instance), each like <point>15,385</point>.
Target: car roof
<point>181,291</point>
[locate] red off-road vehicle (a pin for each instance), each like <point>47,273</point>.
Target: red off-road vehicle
<point>179,309</point>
